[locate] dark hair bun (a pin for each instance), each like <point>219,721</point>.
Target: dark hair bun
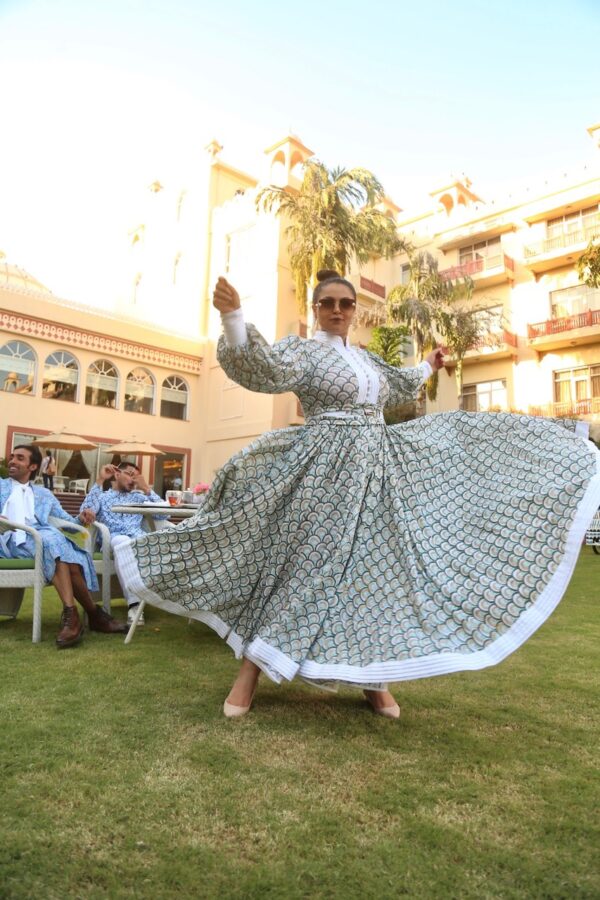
<point>325,274</point>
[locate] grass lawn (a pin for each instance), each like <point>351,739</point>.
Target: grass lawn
<point>121,778</point>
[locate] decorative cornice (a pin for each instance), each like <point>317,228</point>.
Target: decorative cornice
<point>106,344</point>
<point>99,312</point>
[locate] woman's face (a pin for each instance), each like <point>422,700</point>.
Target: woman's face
<point>335,308</point>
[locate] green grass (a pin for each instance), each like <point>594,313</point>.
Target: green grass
<point>121,778</point>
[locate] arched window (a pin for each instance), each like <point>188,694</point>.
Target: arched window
<point>139,391</point>
<point>61,376</point>
<point>17,368</point>
<point>102,384</point>
<point>174,398</point>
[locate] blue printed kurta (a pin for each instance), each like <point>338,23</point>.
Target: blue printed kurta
<point>351,551</point>
<point>54,544</point>
<point>101,503</point>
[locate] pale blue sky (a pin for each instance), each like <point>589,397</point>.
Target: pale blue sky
<point>99,98</point>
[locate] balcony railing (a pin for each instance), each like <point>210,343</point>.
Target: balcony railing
<point>509,338</point>
<point>494,342</point>
<point>567,323</point>
<point>476,266</point>
<point>587,407</point>
<point>569,239</point>
<point>368,285</point>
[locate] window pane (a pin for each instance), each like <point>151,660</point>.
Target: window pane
<point>173,398</point>
<point>61,377</point>
<point>102,384</point>
<point>139,392</point>
<point>562,387</point>
<point>17,368</point>
<point>484,395</point>
<point>581,389</point>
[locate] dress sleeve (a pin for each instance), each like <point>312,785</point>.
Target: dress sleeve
<point>258,366</point>
<point>403,383</point>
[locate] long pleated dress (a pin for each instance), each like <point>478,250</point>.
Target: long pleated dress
<point>348,550</point>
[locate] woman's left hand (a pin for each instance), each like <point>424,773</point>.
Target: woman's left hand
<point>436,359</point>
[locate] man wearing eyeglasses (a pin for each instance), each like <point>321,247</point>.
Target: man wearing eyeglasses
<point>128,487</point>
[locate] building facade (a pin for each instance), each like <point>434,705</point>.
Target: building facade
<point>521,254</point>
<point>147,367</point>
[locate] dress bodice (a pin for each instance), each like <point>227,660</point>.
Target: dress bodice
<point>327,375</point>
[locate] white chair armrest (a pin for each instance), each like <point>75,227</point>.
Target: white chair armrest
<point>7,525</point>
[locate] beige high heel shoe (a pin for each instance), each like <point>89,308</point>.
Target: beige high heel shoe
<point>232,712</point>
<point>389,712</point>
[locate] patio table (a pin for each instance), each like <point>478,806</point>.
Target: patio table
<point>149,510</point>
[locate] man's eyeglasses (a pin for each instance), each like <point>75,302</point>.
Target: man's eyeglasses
<point>330,303</point>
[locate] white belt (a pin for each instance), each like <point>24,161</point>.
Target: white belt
<point>349,417</point>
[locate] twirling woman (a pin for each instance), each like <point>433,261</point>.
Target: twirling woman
<point>351,551</point>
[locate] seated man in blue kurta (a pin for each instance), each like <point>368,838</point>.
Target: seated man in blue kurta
<point>129,487</point>
<point>68,567</point>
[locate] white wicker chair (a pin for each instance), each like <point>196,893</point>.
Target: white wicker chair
<point>15,578</point>
<point>25,573</point>
<point>79,485</point>
<point>104,564</point>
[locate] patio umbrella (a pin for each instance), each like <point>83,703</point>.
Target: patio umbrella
<point>64,440</point>
<point>134,447</point>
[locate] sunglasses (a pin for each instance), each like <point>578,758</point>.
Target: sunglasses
<point>330,303</point>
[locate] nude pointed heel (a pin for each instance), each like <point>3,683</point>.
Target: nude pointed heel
<point>232,712</point>
<point>389,712</point>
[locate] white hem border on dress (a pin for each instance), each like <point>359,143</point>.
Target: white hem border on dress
<point>277,666</point>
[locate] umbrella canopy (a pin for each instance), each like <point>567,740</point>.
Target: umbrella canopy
<point>134,448</point>
<point>64,440</point>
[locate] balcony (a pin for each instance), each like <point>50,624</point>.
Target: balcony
<point>484,271</point>
<point>589,407</point>
<point>371,289</point>
<point>500,345</point>
<point>568,331</point>
<point>454,233</point>
<point>562,249</point>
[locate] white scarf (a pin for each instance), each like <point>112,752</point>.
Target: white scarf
<point>20,508</point>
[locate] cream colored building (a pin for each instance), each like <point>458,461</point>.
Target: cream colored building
<point>105,377</point>
<point>147,367</point>
<point>521,254</point>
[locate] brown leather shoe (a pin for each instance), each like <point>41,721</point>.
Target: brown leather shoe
<point>71,630</point>
<point>101,621</point>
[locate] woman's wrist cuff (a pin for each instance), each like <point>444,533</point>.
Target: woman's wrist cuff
<point>234,328</point>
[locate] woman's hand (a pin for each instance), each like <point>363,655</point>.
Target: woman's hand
<point>436,359</point>
<point>225,297</point>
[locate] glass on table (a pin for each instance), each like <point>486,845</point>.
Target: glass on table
<point>173,498</point>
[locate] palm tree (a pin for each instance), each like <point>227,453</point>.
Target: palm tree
<point>464,327</point>
<point>389,342</point>
<point>588,265</point>
<point>333,217</point>
<point>416,304</point>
